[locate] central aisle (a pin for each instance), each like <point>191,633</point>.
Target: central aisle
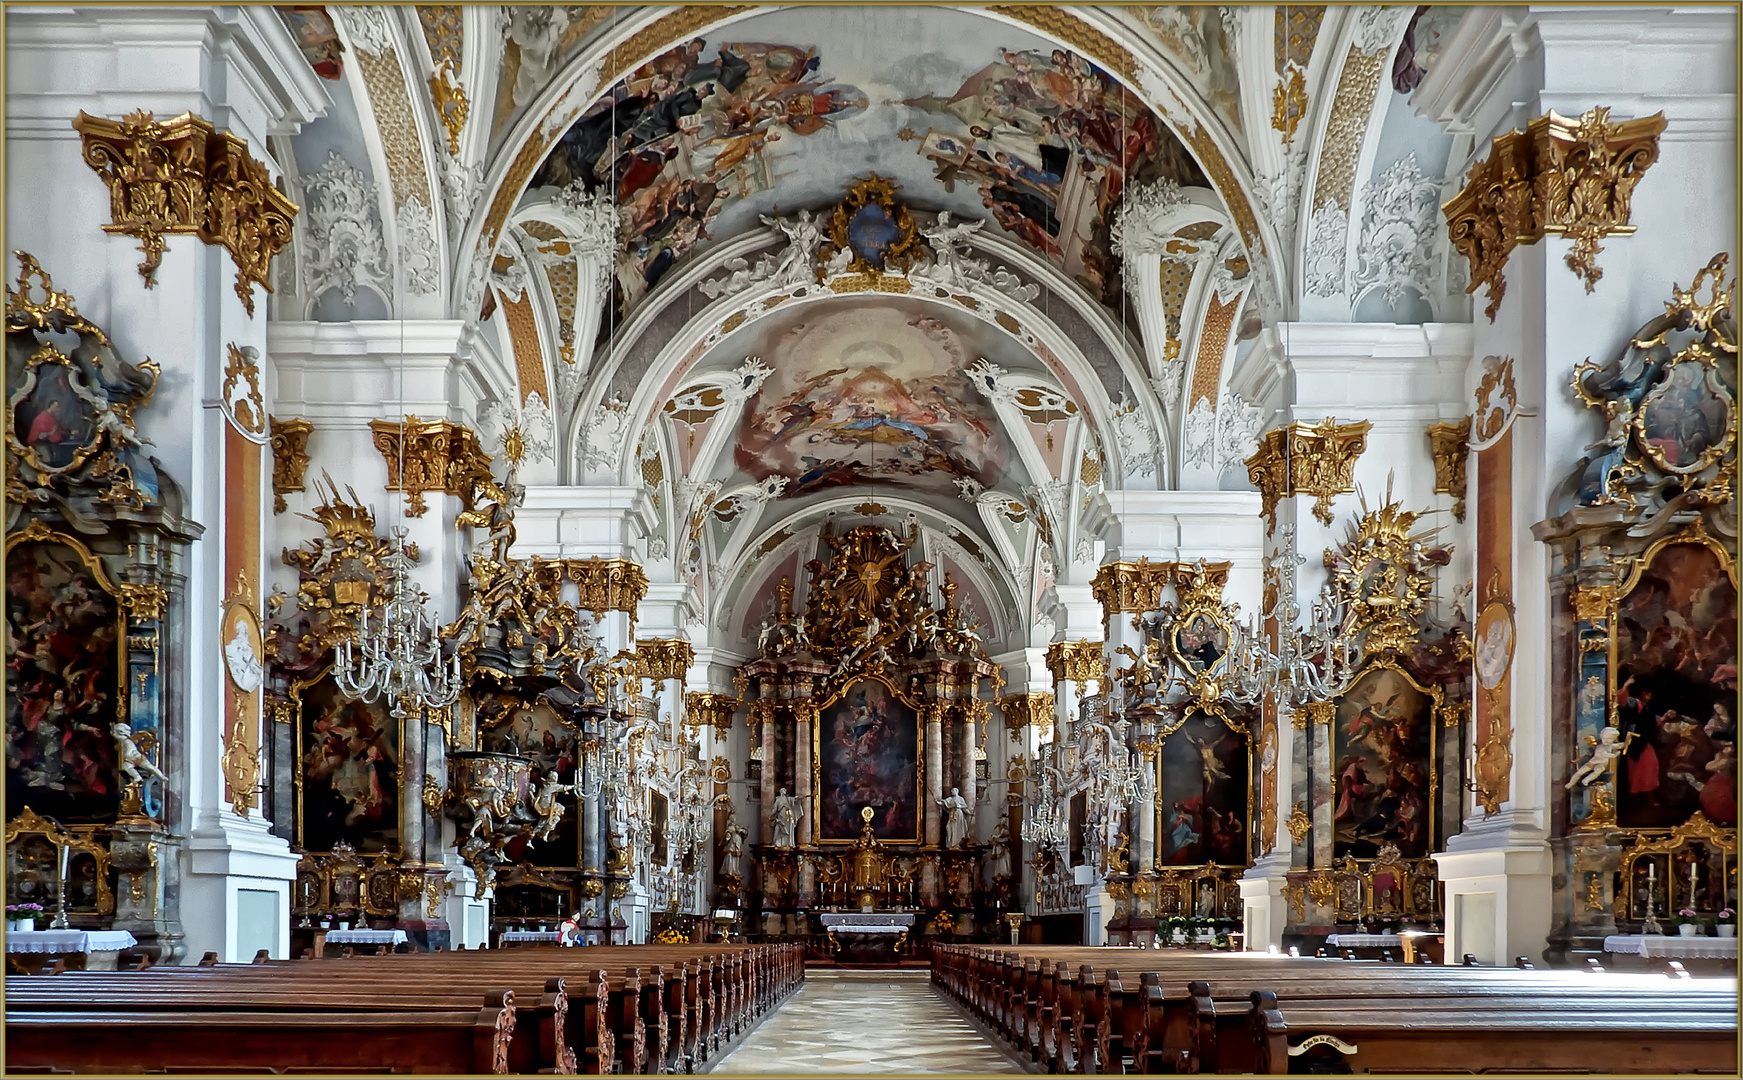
<point>858,1022</point>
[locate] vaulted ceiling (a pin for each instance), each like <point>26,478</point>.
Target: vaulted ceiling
<point>473,155</point>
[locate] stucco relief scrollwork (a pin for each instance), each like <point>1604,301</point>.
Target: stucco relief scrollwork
<point>1400,210</point>
<point>344,248</point>
<point>1328,238</point>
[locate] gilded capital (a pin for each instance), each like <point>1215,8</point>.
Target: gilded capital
<point>437,455</point>
<point>1134,587</point>
<point>1024,710</point>
<point>1307,459</point>
<point>185,177</point>
<point>1450,443</point>
<point>290,458</point>
<point>607,584</point>
<point>1079,661</point>
<point>1557,176</point>
<point>664,658</point>
<point>715,710</point>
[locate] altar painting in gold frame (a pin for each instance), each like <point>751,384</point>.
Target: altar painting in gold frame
<point>867,746</point>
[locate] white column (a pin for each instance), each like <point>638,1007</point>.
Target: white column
<point>1637,61</point>
<point>240,69</point>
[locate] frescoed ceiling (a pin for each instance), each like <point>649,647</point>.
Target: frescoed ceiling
<point>786,109</point>
<point>870,392</point>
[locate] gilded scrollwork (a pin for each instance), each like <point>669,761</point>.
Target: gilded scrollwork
<point>1449,442</point>
<point>185,177</point>
<point>1307,459</point>
<point>432,455</point>
<point>1557,176</point>
<point>290,457</point>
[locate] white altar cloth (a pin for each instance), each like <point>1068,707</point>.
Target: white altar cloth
<point>552,936</point>
<point>69,941</point>
<point>1364,941</point>
<point>1672,946</point>
<point>894,922</point>
<point>366,937</point>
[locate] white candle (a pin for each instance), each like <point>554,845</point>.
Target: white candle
<point>1691,885</point>
<point>1652,873</point>
<point>65,852</point>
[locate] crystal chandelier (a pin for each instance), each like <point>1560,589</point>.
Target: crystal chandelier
<point>1044,824</point>
<point>1308,665</point>
<point>402,660</point>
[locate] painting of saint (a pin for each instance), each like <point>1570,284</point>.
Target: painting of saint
<point>508,725</point>
<point>50,420</point>
<point>1201,642</point>
<point>658,810</point>
<point>349,756</point>
<point>688,133</point>
<point>868,743</point>
<point>1201,795</point>
<point>869,392</point>
<point>1676,687</point>
<point>1382,758</point>
<point>63,661</point>
<point>1686,416</point>
<point>1049,140</point>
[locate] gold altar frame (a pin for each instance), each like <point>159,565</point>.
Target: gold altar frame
<point>1637,567</point>
<point>469,697</point>
<point>919,759</point>
<point>1437,715</point>
<point>1253,782</point>
<point>295,697</point>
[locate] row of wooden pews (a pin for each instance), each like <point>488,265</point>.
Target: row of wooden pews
<point>1114,1010</point>
<point>632,1009</point>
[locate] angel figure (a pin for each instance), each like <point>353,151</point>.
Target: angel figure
<point>546,806</point>
<point>797,260</point>
<point>1609,745</point>
<point>133,762</point>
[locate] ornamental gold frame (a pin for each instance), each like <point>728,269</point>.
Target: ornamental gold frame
<point>1436,720</point>
<point>295,697</point>
<point>1695,533</point>
<point>919,758</point>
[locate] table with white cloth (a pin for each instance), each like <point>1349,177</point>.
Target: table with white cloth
<point>1672,946</point>
<point>531,937</point>
<point>390,938</point>
<point>1364,941</point>
<point>94,950</point>
<point>867,937</point>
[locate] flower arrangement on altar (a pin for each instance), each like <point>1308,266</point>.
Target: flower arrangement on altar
<point>24,916</point>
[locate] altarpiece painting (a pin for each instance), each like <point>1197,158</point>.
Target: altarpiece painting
<point>1204,796</point>
<point>349,768</point>
<point>868,756</point>
<point>1383,762</point>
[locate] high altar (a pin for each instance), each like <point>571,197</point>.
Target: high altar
<point>868,720</point>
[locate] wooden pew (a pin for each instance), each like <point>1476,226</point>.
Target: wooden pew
<point>340,1041</point>
<point>1229,1012</point>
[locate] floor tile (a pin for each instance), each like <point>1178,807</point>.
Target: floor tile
<point>865,1023</point>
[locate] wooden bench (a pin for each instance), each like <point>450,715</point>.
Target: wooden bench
<point>687,1003</point>
<point>102,1040</point>
<point>1163,1011</point>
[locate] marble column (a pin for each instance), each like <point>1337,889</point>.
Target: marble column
<point>806,717</point>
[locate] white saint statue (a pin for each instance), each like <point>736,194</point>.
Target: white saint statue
<point>732,862</point>
<point>786,820</point>
<point>955,818</point>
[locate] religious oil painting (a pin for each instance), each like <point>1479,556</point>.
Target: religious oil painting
<point>1685,421</point>
<point>56,427</point>
<point>870,393</point>
<point>509,725</point>
<point>1201,643</point>
<point>1382,764</point>
<point>868,746</point>
<point>62,680</point>
<point>1676,688</point>
<point>350,760</point>
<point>1202,795</point>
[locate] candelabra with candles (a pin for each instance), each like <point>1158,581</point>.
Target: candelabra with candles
<point>1309,664</point>
<point>401,660</point>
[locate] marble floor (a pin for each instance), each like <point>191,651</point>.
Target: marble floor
<point>856,1023</point>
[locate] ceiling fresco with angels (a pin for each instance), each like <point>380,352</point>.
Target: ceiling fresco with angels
<point>782,111</point>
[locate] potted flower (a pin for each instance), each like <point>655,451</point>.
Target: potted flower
<point>23,916</point>
<point>1726,924</point>
<point>1688,923</point>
